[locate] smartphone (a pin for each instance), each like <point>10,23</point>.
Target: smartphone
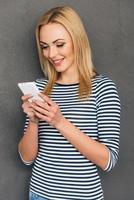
<point>30,88</point>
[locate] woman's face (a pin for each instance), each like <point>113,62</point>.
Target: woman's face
<point>57,47</point>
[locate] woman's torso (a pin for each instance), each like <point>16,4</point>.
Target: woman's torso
<point>60,171</point>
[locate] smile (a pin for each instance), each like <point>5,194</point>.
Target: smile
<point>57,62</point>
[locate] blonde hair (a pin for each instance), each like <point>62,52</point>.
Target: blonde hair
<point>67,17</point>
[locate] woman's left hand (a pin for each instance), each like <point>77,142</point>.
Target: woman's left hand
<point>47,111</point>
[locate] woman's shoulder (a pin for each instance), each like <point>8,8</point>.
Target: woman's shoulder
<point>41,82</point>
<point>103,80</point>
<point>104,84</point>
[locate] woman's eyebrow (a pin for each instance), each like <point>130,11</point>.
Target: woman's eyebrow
<point>52,42</point>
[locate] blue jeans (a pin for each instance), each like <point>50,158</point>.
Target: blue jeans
<point>33,196</point>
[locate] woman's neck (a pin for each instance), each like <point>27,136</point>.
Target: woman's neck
<point>68,80</point>
<point>69,77</point>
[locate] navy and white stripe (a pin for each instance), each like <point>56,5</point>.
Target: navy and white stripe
<point>60,171</point>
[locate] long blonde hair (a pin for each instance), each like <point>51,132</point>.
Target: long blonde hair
<point>67,17</point>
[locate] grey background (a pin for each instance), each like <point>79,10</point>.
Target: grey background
<point>109,24</point>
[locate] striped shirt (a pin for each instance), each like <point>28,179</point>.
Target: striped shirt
<point>60,171</point>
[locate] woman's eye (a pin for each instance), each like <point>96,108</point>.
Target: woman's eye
<point>60,45</point>
<point>44,47</point>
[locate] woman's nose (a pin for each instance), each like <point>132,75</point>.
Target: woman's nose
<point>52,52</point>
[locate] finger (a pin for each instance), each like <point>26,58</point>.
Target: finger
<point>30,114</point>
<point>40,110</point>
<point>26,97</point>
<point>26,105</point>
<point>51,108</point>
<point>43,105</point>
<point>28,110</point>
<point>46,99</point>
<point>42,117</point>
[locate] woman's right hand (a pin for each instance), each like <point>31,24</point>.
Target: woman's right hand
<point>27,108</point>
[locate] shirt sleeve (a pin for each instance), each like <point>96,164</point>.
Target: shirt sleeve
<point>108,117</point>
<point>40,83</point>
<point>25,127</point>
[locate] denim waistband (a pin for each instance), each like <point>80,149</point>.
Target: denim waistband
<point>33,196</point>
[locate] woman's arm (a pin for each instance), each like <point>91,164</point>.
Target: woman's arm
<point>28,145</point>
<point>93,150</point>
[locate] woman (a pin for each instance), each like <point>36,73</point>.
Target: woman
<point>76,128</point>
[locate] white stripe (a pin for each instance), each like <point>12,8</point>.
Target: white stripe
<point>99,118</point>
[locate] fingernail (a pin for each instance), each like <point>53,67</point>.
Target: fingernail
<point>41,94</point>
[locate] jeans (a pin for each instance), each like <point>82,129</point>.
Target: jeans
<point>33,196</point>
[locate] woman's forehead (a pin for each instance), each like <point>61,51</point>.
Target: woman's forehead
<point>54,31</point>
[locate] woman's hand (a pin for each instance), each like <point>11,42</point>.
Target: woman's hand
<point>47,111</point>
<point>27,108</point>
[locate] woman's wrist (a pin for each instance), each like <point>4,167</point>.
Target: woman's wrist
<point>61,124</point>
<point>34,121</point>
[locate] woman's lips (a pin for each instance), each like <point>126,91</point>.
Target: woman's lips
<point>57,62</point>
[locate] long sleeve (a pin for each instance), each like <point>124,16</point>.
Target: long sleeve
<point>108,118</point>
<point>25,127</point>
